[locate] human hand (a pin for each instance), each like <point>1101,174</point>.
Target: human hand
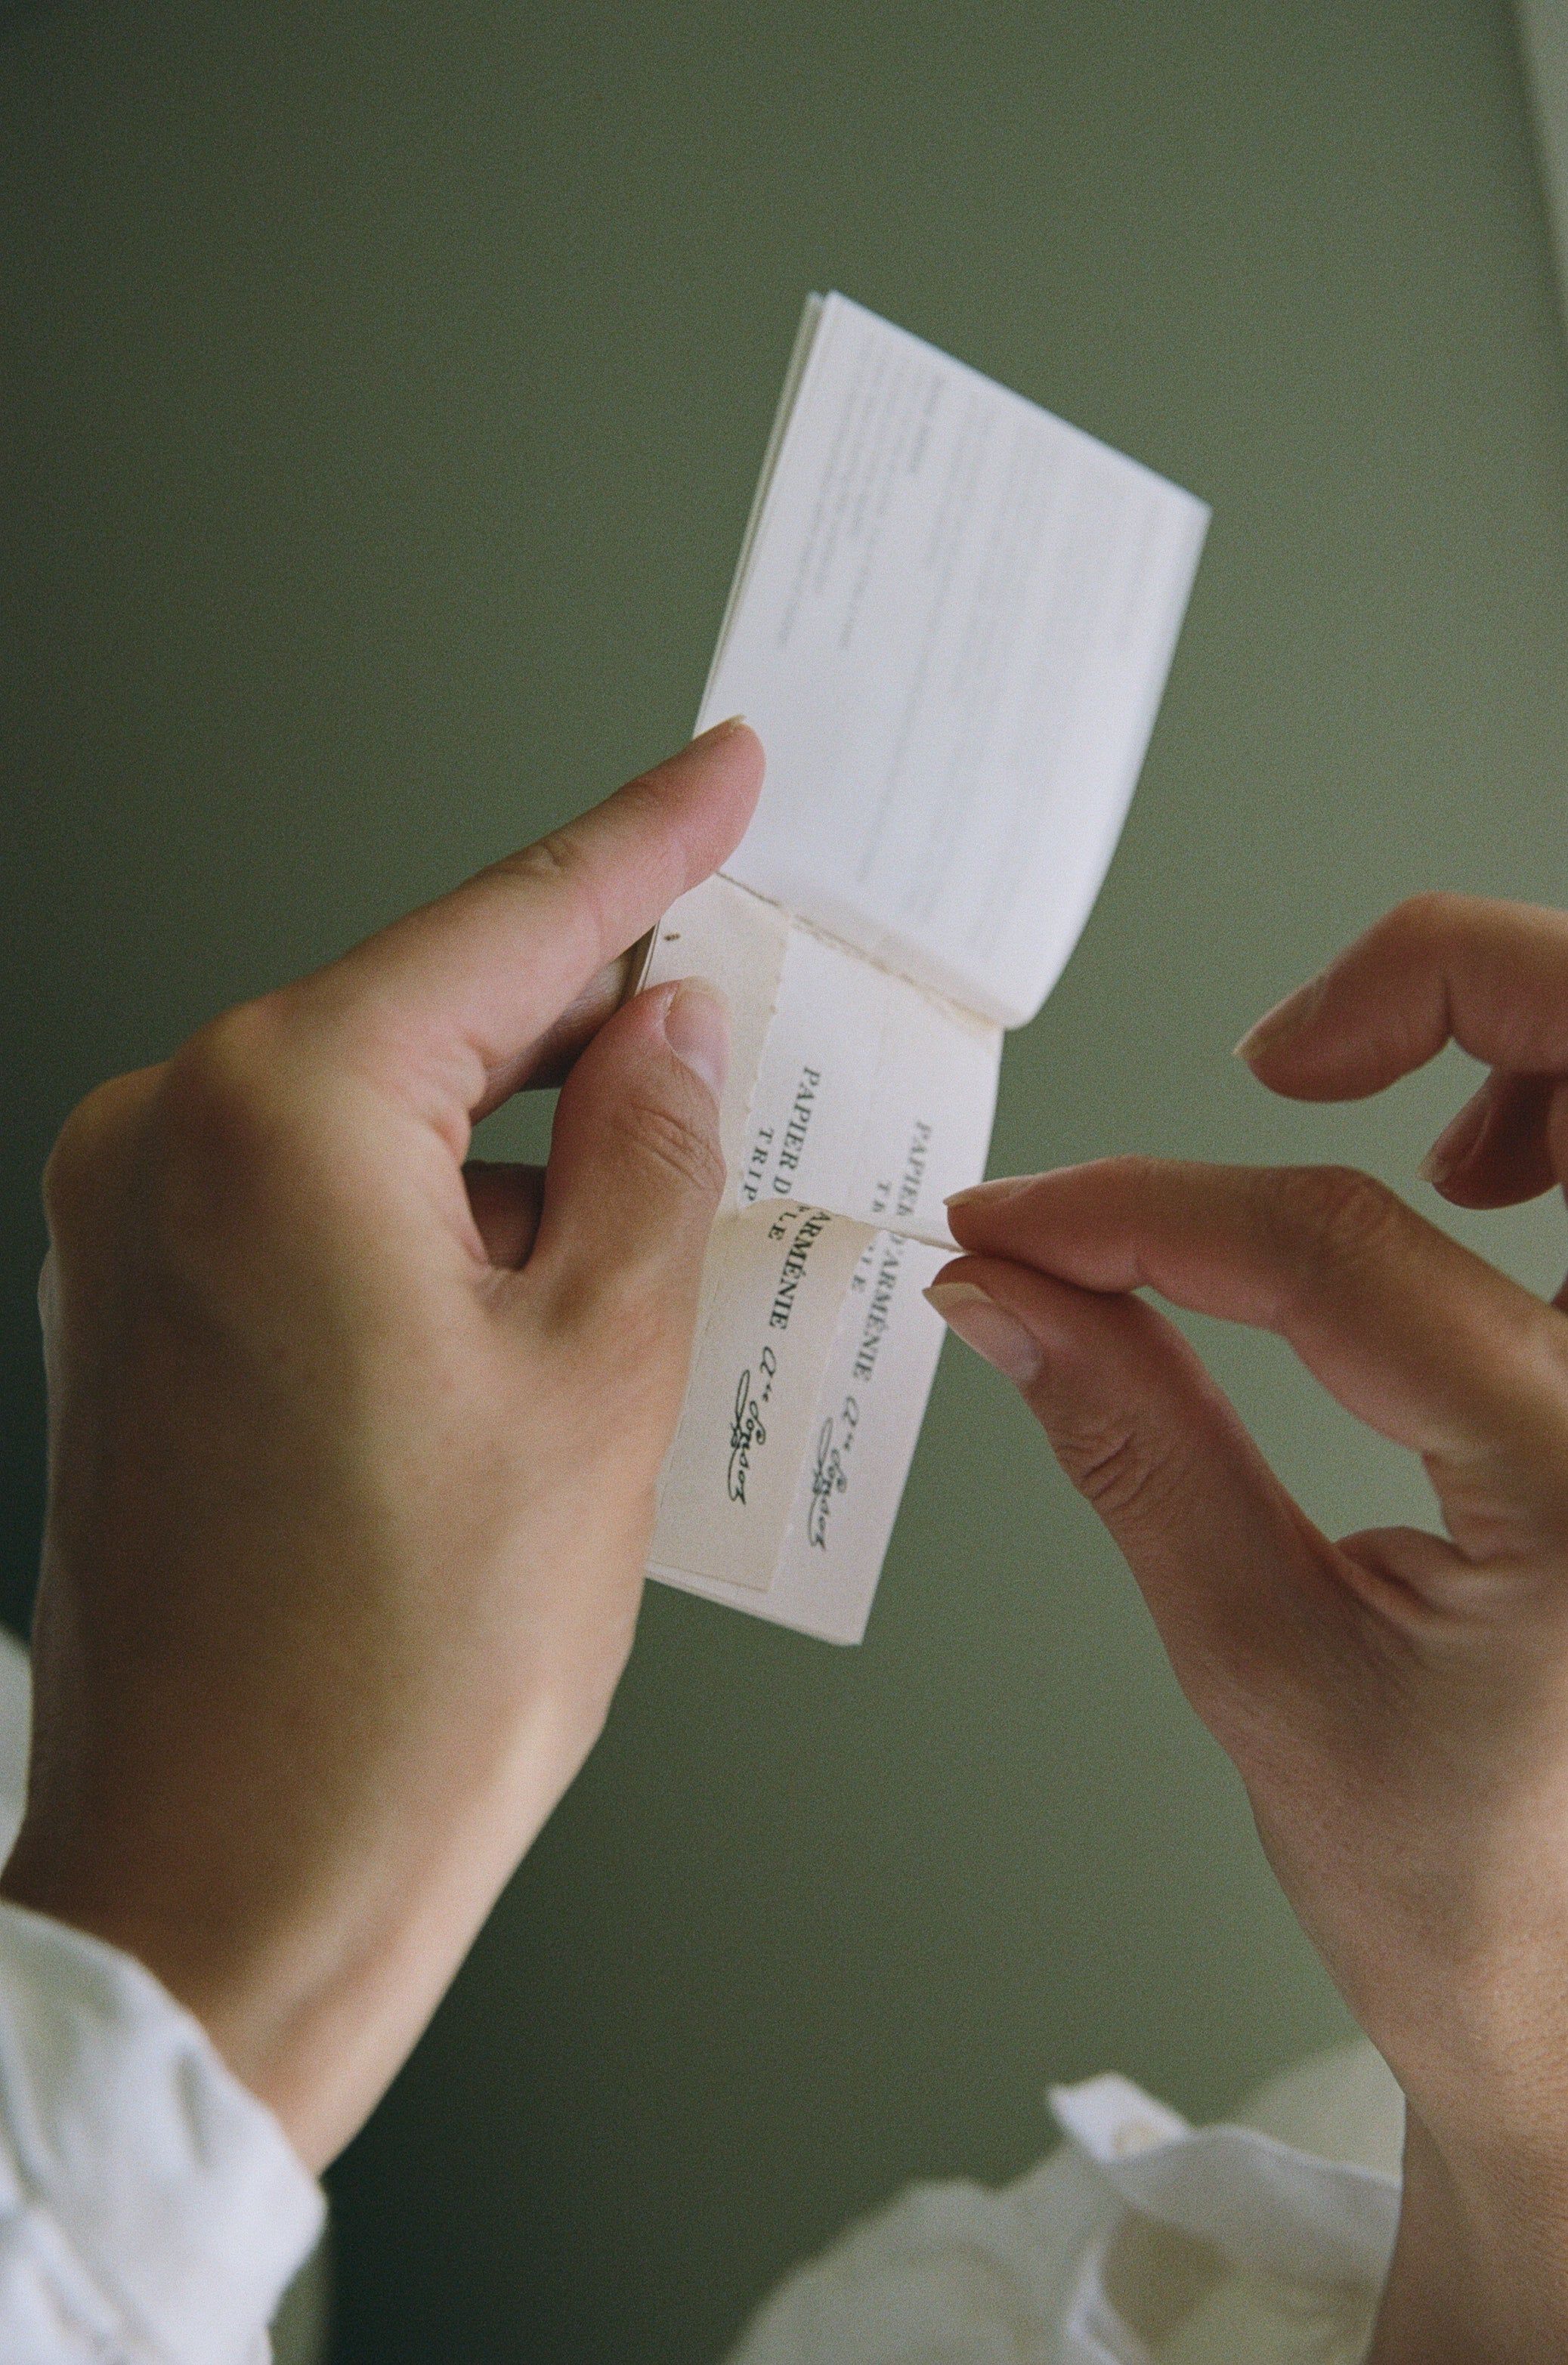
<point>1396,1703</point>
<point>353,1451</point>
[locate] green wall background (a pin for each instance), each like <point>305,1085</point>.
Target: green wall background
<point>388,385</point>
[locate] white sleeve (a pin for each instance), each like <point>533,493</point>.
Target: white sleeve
<point>151,2210</point>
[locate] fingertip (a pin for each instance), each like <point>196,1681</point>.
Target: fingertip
<point>636,1168</point>
<point>974,1214</point>
<point>732,747</point>
<point>697,1028</point>
<point>994,1333</point>
<point>730,728</point>
<point>715,780</point>
<point>1279,1025</point>
<point>1459,1139</point>
<point>1496,1151</point>
<point>1308,1046</point>
<point>1288,1052</point>
<point>1479,1190</point>
<point>737,746</point>
<point>1003,1186</point>
<point>1308,1070</point>
<point>1055,1316</point>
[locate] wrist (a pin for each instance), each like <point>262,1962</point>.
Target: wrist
<point>245,1976</point>
<point>312,1968</point>
<point>307,1905</point>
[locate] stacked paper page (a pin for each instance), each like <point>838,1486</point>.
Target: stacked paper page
<point>950,626</point>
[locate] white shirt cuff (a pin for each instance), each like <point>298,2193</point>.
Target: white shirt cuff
<point>151,2206</point>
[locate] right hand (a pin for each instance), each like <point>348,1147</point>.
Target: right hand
<point>353,1448</point>
<point>1396,1702</point>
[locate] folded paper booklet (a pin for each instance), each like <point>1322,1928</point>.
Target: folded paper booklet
<point>950,626</point>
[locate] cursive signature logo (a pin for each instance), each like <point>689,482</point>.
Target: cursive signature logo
<point>746,1433</point>
<point>829,1476</point>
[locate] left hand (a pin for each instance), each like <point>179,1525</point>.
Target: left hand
<point>353,1446</point>
<point>1396,1702</point>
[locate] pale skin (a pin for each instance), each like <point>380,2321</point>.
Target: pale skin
<point>353,1451</point>
<point>1396,1702</point>
<point>353,1448</point>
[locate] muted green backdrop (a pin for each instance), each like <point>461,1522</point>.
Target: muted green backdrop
<point>388,383</point>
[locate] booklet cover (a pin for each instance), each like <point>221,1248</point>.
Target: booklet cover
<point>950,626</point>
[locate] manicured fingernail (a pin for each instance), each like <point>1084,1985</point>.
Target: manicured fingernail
<point>697,1028</point>
<point>718,730</point>
<point>981,1324</point>
<point>1455,1142</point>
<point>1278,1024</point>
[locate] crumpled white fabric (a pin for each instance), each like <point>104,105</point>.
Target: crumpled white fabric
<point>151,2210</point>
<point>1262,2242</point>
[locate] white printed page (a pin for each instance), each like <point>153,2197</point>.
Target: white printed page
<point>951,628</point>
<point>855,1103</point>
<point>951,625</point>
<point>850,1089</point>
<point>777,1284</point>
<point>850,1456</point>
<point>868,1412</point>
<point>873,1098</point>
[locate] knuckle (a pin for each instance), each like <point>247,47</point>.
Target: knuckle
<point>1329,1218</point>
<point>557,869</point>
<point>1125,1474</point>
<point>91,1145</point>
<point>72,1163</point>
<point>676,1147</point>
<point>556,865</point>
<point>219,1089</point>
<point>1427,918</point>
<point>1135,1172</point>
<point>229,1124</point>
<point>549,860</point>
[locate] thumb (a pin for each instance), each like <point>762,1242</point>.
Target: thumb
<point>632,1185</point>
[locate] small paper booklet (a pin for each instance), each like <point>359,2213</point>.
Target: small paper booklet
<point>950,626</point>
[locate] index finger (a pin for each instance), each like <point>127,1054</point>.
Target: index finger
<point>1490,976</point>
<point>1420,1338</point>
<point>468,990</point>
